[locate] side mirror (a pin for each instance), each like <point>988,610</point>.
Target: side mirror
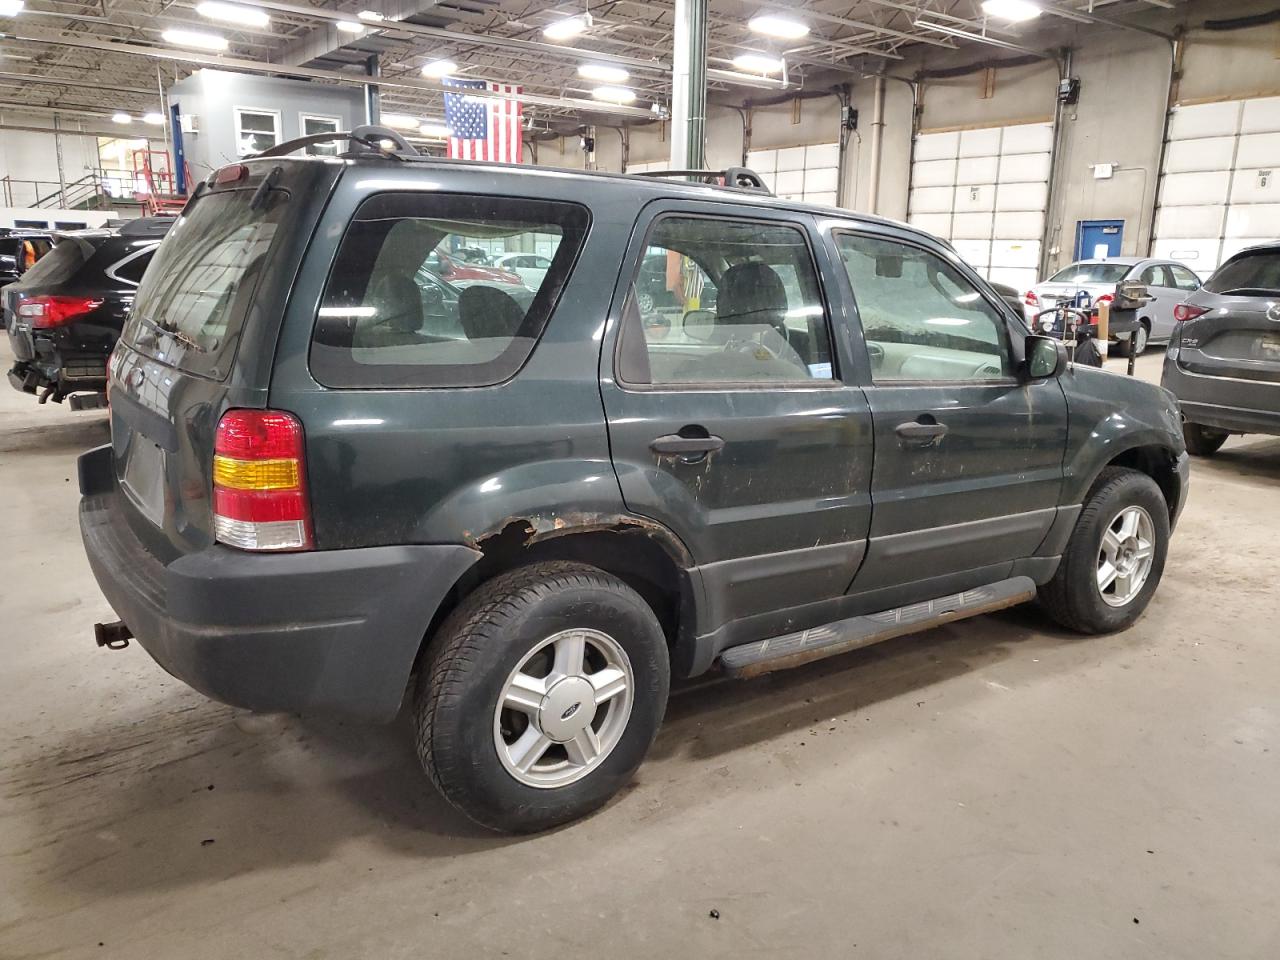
<point>699,324</point>
<point>1046,357</point>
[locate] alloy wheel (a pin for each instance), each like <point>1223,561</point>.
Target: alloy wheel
<point>1125,556</point>
<point>564,708</point>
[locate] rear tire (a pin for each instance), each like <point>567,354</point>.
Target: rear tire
<point>1115,557</point>
<point>540,696</point>
<point>1141,336</point>
<point>1203,441</point>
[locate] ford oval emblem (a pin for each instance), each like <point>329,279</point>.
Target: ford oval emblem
<point>570,712</point>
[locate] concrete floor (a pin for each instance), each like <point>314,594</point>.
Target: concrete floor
<point>993,789</point>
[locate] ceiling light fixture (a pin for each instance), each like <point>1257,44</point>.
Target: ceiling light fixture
<point>603,72</point>
<point>11,8</point>
<point>774,26</point>
<point>757,63</point>
<point>121,117</point>
<point>194,38</point>
<point>567,28</point>
<point>1015,11</point>
<point>400,121</point>
<point>349,26</point>
<point>614,94</point>
<point>153,118</point>
<point>439,68</point>
<point>233,13</point>
<point>435,128</point>
<point>373,16</point>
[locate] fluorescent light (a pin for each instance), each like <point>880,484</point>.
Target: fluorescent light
<point>567,28</point>
<point>1015,11</point>
<point>439,68</point>
<point>233,13</point>
<point>435,128</point>
<point>194,38</point>
<point>153,118</point>
<point>11,8</point>
<point>614,94</point>
<point>772,26</point>
<point>603,72</point>
<point>400,121</point>
<point>757,63</point>
<point>349,26</point>
<point>121,117</point>
<point>372,16</point>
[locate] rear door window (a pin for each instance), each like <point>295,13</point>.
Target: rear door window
<point>402,308</point>
<point>1183,278</point>
<point>720,300</point>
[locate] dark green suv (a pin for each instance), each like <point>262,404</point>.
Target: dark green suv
<point>524,515</point>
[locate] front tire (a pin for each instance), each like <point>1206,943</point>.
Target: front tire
<point>1203,441</point>
<point>541,695</point>
<point>1115,557</point>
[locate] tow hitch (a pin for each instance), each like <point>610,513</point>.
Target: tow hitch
<point>113,636</point>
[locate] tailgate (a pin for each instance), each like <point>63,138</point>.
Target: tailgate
<point>201,339</point>
<point>1238,339</point>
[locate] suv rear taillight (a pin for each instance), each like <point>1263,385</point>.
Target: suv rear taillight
<point>259,482</point>
<point>1186,311</point>
<point>45,312</point>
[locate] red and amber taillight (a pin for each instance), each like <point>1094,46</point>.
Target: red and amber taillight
<point>259,482</point>
<point>1185,312</point>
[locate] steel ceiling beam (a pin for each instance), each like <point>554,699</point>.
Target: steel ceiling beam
<point>308,73</point>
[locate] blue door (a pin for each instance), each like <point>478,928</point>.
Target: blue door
<point>1098,239</point>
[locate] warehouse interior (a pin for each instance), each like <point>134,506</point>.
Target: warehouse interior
<point>992,787</point>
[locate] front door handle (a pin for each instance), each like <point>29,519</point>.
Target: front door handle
<point>921,434</point>
<point>675,445</point>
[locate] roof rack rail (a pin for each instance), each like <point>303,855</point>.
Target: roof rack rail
<point>737,178</point>
<point>368,139</point>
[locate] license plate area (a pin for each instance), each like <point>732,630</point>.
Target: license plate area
<point>143,477</point>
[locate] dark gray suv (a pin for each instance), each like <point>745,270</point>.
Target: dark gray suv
<point>523,513</point>
<point>1223,362</point>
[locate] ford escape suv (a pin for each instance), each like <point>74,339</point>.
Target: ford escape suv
<point>521,516</point>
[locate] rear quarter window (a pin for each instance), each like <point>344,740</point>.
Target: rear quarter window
<point>386,318</point>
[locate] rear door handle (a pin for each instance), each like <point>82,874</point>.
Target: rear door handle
<point>921,434</point>
<point>675,445</point>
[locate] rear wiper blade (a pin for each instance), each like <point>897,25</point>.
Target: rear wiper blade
<point>174,332</point>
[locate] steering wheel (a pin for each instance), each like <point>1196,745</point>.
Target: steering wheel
<point>1084,317</point>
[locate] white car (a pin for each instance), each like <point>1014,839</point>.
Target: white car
<point>1168,283</point>
<point>529,267</point>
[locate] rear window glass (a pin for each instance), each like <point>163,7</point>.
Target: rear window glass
<point>194,295</point>
<point>1250,273</point>
<point>61,263</point>
<point>1092,273</point>
<point>410,303</point>
<point>131,268</point>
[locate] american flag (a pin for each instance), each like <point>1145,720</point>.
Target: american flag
<point>483,128</point>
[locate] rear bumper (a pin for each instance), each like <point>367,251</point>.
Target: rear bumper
<point>1234,419</point>
<point>330,631</point>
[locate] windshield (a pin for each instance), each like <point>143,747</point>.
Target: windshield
<point>1250,273</point>
<point>1092,273</point>
<point>194,296</point>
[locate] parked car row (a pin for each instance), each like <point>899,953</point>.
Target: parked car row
<point>64,314</point>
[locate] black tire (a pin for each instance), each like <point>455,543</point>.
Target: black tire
<point>467,666</point>
<point>1203,441</point>
<point>1072,597</point>
<point>1123,347</point>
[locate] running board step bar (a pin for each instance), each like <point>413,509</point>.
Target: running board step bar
<point>793,649</point>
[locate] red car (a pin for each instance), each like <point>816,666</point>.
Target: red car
<point>447,268</point>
